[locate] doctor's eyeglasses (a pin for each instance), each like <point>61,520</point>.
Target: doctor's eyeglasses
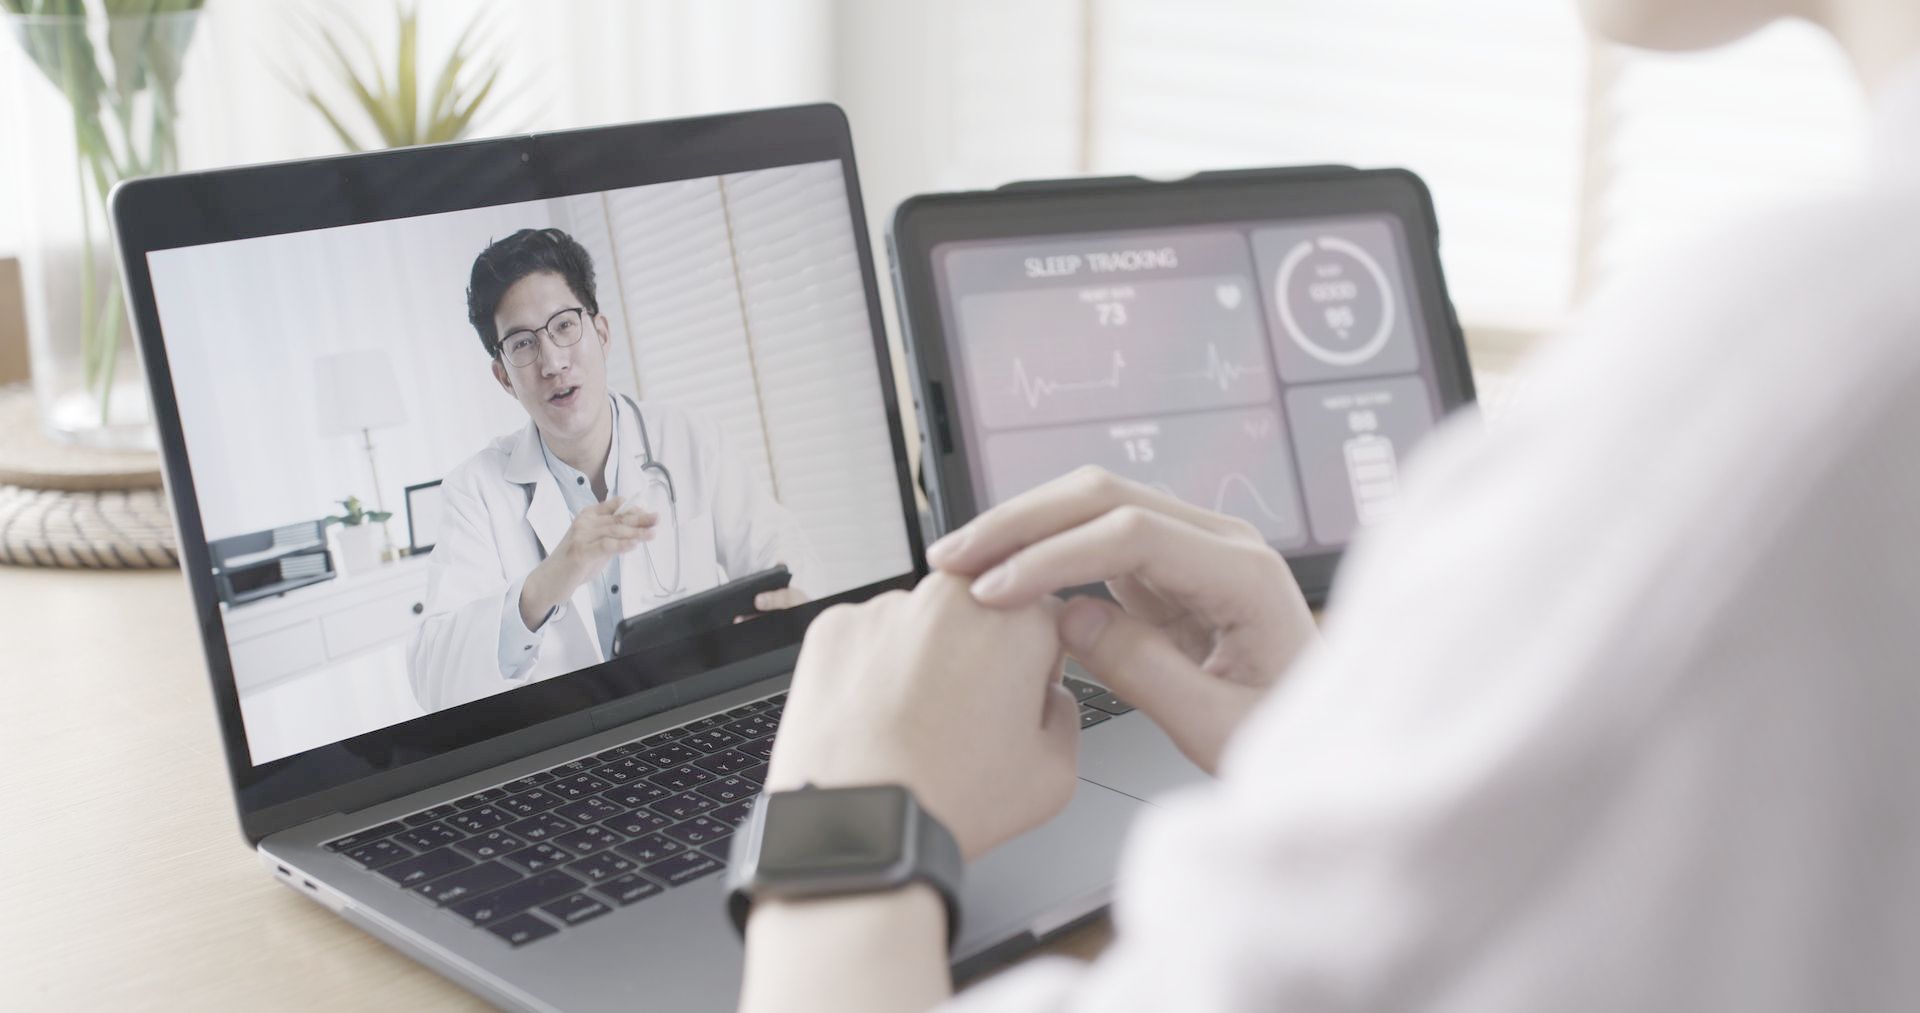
<point>522,347</point>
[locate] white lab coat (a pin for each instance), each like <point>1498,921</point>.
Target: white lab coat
<point>503,513</point>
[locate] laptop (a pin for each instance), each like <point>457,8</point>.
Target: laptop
<point>367,411</point>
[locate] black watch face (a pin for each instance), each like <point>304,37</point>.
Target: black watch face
<point>845,830</point>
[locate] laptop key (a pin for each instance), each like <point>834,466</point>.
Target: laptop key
<point>426,866</point>
<point>492,844</point>
<point>516,897</point>
<point>636,823</point>
<point>731,815</point>
<point>438,812</point>
<point>635,795</point>
<point>479,798</point>
<point>1090,717</point>
<point>727,789</point>
<point>591,809</point>
<point>539,858</point>
<point>529,802</point>
<point>587,840</point>
<point>610,755</point>
<point>1082,689</point>
<point>731,761</point>
<point>578,786</point>
<point>683,805</point>
<point>539,828</point>
<point>371,833</point>
<point>579,766</point>
<point>574,909</point>
<point>626,889</point>
<point>711,741</point>
<point>759,749</point>
<point>650,849</point>
<point>375,854</point>
<point>601,867</point>
<point>672,754</point>
<point>756,773</point>
<point>699,830</point>
<point>481,820</point>
<point>428,837</point>
<point>518,785</point>
<point>683,868</point>
<point>622,771</point>
<point>522,929</point>
<point>469,882</point>
<point>680,778</point>
<point>1109,703</point>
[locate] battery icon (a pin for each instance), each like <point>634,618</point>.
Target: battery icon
<point>1373,472</point>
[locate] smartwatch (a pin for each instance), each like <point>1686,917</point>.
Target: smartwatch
<point>824,842</point>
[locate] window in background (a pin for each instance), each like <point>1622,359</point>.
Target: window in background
<point>1550,169</point>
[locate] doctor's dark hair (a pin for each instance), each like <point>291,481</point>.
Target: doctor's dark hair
<point>506,261</point>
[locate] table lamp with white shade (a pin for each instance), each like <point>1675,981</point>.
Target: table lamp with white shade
<point>356,392</point>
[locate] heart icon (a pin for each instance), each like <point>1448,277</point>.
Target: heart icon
<point>1228,294</point>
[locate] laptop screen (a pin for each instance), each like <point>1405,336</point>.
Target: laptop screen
<point>444,457</point>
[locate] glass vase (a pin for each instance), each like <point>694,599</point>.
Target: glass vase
<point>95,105</point>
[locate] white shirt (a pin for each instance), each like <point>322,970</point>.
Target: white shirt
<point>1622,710</point>
<point>503,512</point>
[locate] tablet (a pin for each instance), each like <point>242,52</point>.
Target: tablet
<point>1266,343</point>
<point>702,612</point>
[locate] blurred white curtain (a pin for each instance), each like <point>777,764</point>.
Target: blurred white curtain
<point>571,63</point>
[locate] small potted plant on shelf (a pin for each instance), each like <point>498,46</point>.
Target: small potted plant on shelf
<point>357,543</point>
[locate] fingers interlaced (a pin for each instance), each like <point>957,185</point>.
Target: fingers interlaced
<point>1177,559</point>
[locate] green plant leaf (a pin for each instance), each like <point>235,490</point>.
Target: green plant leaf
<point>406,80</point>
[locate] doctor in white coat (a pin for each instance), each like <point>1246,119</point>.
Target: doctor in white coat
<point>599,508</point>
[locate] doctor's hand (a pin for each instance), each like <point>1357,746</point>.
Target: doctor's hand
<point>1209,616</point>
<point>960,703</point>
<point>597,534</point>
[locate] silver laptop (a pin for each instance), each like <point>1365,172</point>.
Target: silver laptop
<point>389,387</point>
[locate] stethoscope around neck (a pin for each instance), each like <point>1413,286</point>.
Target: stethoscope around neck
<point>657,475</point>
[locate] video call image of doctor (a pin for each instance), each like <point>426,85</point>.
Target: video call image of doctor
<point>599,508</point>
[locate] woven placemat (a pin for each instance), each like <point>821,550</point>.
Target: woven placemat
<point>117,530</point>
<point>31,458</point>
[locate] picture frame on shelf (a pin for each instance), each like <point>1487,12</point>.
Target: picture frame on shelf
<point>423,517</point>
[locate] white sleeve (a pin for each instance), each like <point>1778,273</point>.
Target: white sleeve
<point>456,653</point>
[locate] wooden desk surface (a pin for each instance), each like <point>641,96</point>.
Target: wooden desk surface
<point>126,881</point>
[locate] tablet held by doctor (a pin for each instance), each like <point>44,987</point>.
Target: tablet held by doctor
<point>600,508</point>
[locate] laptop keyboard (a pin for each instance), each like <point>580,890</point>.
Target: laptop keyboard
<point>561,847</point>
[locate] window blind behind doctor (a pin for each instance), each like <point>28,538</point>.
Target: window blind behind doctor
<point>741,294</point>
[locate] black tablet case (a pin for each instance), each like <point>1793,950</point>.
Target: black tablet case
<point>942,468</point>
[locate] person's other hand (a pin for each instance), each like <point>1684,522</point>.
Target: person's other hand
<point>780,598</point>
<point>774,601</point>
<point>960,703</point>
<point>1209,618</point>
<point>597,533</point>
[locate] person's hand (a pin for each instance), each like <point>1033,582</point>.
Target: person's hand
<point>597,534</point>
<point>779,598</point>
<point>773,601</point>
<point>1209,617</point>
<point>960,703</point>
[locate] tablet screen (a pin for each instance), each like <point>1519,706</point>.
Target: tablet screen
<point>1276,371</point>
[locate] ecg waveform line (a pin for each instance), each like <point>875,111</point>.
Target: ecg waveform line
<point>1227,482</point>
<point>1218,371</point>
<point>1034,388</point>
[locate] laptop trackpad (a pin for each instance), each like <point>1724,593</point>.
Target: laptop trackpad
<point>1045,879</point>
<point>1131,755</point>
